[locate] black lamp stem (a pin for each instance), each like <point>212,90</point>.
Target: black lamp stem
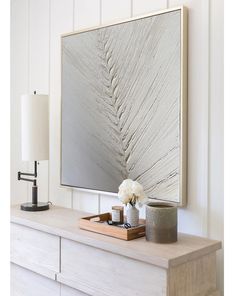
<point>34,205</point>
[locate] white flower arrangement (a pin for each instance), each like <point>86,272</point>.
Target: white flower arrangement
<point>131,192</point>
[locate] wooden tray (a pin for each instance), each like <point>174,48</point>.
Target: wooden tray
<point>101,227</point>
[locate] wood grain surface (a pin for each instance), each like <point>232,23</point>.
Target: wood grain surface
<point>64,222</point>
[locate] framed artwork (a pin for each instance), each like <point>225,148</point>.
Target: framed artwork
<point>124,106</point>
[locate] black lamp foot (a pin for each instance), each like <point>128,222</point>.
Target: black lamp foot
<point>40,206</point>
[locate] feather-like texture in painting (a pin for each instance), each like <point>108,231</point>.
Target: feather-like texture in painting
<point>121,106</point>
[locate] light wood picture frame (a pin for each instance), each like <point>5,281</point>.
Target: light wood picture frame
<point>113,62</point>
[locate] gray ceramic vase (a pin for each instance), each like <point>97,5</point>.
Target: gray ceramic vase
<point>161,223</point>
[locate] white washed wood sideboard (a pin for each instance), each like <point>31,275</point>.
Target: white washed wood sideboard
<point>50,255</point>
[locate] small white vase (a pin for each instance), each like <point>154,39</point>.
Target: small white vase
<point>132,215</point>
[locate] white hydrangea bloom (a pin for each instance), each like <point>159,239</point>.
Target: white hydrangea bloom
<point>138,190</point>
<point>125,193</point>
<point>131,192</point>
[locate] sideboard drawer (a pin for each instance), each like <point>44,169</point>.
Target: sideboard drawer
<point>102,273</point>
<point>27,283</point>
<point>67,291</point>
<point>35,250</point>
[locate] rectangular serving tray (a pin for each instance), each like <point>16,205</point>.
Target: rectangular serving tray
<point>99,226</point>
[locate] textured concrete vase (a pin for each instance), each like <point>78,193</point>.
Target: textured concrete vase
<point>161,223</point>
<point>132,214</point>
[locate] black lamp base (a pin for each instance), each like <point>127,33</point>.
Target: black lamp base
<point>40,206</point>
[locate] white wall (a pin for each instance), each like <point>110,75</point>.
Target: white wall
<point>35,54</point>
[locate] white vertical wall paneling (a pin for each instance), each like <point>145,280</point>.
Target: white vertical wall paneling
<point>148,6</point>
<point>216,129</point>
<point>39,72</point>
<point>85,201</point>
<point>19,86</point>
<point>216,145</point>
<point>107,202</point>
<point>39,46</point>
<point>113,10</point>
<point>61,22</point>
<point>86,14</point>
<point>198,65</point>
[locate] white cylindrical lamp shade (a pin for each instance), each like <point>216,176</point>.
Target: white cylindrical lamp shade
<point>35,127</point>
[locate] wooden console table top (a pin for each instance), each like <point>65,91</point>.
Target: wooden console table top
<point>63,222</point>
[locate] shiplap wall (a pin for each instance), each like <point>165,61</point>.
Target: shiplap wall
<point>36,27</point>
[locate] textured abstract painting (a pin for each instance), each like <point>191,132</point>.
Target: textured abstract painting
<point>121,106</point>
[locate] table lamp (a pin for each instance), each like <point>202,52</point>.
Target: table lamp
<point>34,142</point>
